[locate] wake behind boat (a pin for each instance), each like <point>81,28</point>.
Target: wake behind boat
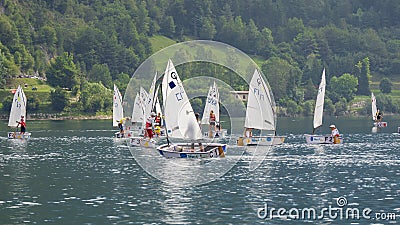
<point>260,114</point>
<point>18,116</point>
<point>318,113</point>
<point>180,122</point>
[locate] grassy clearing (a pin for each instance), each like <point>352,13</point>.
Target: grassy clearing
<point>159,42</point>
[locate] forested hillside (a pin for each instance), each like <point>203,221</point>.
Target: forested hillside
<point>91,44</point>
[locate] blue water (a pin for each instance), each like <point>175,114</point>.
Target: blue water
<point>73,172</point>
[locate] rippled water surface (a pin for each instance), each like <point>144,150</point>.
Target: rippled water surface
<point>75,173</point>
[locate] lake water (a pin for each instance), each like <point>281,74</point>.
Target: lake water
<point>73,172</point>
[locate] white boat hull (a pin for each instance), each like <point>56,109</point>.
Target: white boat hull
<point>217,134</point>
<point>142,142</point>
<point>380,124</point>
<point>323,139</point>
<point>183,150</point>
<point>18,135</point>
<point>261,140</point>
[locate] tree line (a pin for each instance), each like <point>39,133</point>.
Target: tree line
<point>82,42</point>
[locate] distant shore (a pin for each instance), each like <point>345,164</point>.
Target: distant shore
<point>42,116</point>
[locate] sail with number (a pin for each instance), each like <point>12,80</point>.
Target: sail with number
<point>211,104</point>
<point>117,106</point>
<point>260,107</point>
<point>18,107</point>
<point>319,104</point>
<point>179,116</point>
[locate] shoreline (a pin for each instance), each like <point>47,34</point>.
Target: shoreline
<point>59,117</point>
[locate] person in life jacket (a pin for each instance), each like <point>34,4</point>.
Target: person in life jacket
<point>23,125</point>
<point>121,126</point>
<point>157,120</point>
<point>212,121</point>
<point>335,134</point>
<point>149,125</point>
<point>378,116</point>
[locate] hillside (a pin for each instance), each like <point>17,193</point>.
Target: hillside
<point>78,44</point>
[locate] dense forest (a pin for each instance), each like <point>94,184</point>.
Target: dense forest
<point>81,45</point>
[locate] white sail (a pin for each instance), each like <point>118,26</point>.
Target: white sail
<point>260,108</point>
<point>143,97</point>
<point>137,113</point>
<point>179,116</point>
<point>212,103</point>
<point>319,104</point>
<point>158,107</point>
<point>373,104</point>
<point>118,113</point>
<point>149,103</point>
<point>18,107</point>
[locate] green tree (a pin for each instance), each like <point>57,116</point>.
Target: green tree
<point>95,97</point>
<point>33,102</point>
<point>341,107</point>
<point>364,77</point>
<point>3,69</point>
<point>329,107</point>
<point>59,99</point>
<point>308,108</point>
<point>7,30</point>
<point>344,86</point>
<point>292,108</point>
<point>100,73</point>
<point>207,29</point>
<point>385,85</point>
<point>63,72</point>
<point>282,77</point>
<point>7,102</point>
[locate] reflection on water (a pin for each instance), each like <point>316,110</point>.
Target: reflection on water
<point>80,175</point>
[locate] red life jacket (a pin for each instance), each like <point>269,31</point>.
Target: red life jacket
<point>158,120</point>
<point>149,123</point>
<point>212,117</point>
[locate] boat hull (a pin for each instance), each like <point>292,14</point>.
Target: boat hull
<point>323,139</point>
<point>380,124</point>
<point>18,135</point>
<point>182,150</point>
<point>261,140</point>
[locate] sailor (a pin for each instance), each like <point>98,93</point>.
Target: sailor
<point>335,134</point>
<point>23,125</point>
<point>212,120</point>
<point>248,132</point>
<point>149,125</point>
<point>157,120</point>
<point>378,116</point>
<point>121,127</point>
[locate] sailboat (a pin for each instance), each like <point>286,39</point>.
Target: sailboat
<point>139,120</point>
<point>18,109</point>
<point>118,112</point>
<point>260,114</point>
<point>318,113</point>
<point>212,103</point>
<point>374,113</point>
<point>181,122</point>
